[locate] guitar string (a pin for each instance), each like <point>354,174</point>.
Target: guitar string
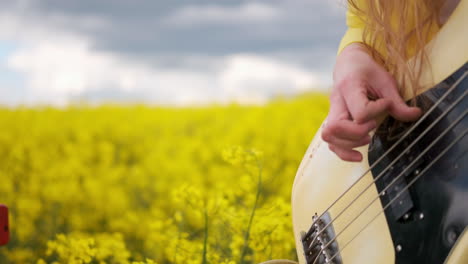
<point>404,136</point>
<point>404,189</point>
<point>392,163</point>
<point>397,158</point>
<point>381,193</point>
<point>394,145</point>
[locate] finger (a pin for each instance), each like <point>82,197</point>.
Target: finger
<point>347,129</point>
<point>397,108</point>
<point>338,110</point>
<point>371,110</point>
<point>400,110</point>
<point>349,144</point>
<point>345,154</point>
<point>360,107</point>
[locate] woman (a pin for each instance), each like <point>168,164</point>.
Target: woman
<point>381,37</point>
<point>372,59</point>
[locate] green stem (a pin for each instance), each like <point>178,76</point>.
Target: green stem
<point>205,242</point>
<point>252,214</point>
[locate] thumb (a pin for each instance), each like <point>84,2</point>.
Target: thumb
<point>398,109</point>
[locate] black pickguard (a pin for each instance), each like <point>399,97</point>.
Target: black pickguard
<point>426,220</point>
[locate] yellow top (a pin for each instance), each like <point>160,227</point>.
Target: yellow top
<point>355,29</point>
<point>356,25</point>
<point>446,51</point>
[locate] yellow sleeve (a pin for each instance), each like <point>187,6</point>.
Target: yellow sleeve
<point>355,29</point>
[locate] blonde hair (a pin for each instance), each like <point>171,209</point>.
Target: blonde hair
<point>395,31</point>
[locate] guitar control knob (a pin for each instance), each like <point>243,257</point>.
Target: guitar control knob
<point>452,236</point>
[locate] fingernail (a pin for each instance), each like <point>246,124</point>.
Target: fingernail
<point>368,139</point>
<point>357,158</point>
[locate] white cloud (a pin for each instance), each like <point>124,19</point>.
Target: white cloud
<point>55,70</point>
<point>58,72</point>
<point>209,14</point>
<point>252,78</point>
<point>27,28</point>
<point>59,66</point>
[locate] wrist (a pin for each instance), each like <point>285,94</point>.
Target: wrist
<point>356,47</point>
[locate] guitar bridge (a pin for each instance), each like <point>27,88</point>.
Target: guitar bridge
<point>319,244</point>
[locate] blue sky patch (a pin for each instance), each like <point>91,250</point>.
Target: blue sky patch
<point>6,48</point>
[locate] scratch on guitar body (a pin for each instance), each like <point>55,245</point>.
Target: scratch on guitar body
<point>309,157</point>
<point>310,153</point>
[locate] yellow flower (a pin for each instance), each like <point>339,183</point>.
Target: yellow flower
<point>138,184</point>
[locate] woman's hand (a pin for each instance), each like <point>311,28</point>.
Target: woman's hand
<point>357,77</point>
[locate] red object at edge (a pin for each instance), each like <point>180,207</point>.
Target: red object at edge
<point>4,228</point>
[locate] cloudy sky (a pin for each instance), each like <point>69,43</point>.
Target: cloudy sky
<point>173,52</point>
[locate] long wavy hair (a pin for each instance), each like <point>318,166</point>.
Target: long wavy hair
<point>395,31</point>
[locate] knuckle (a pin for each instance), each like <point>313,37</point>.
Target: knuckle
<point>346,81</point>
<point>354,144</point>
<point>326,136</point>
<point>338,152</point>
<point>360,116</point>
<point>343,156</point>
<point>334,128</point>
<point>362,133</point>
<point>389,80</point>
<point>355,80</point>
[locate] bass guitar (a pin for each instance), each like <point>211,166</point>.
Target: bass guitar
<point>407,201</point>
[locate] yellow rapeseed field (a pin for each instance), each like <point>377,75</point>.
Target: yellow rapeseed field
<point>139,184</point>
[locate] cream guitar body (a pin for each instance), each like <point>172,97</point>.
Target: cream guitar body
<point>358,219</point>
